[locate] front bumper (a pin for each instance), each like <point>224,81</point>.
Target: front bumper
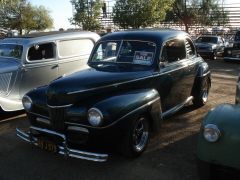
<point>232,58</point>
<point>64,150</point>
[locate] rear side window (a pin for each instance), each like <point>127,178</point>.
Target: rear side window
<point>41,52</point>
<point>173,50</point>
<point>75,47</point>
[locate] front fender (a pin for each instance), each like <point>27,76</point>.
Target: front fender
<point>117,107</point>
<point>226,150</point>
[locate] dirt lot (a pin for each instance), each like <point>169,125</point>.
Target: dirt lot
<point>170,155</point>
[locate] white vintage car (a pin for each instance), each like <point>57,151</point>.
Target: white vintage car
<point>34,60</point>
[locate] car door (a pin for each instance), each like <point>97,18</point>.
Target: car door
<point>172,78</point>
<point>73,54</point>
<point>40,67</point>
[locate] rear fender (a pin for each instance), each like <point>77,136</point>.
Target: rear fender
<point>203,72</point>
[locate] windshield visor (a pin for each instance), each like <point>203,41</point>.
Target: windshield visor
<point>135,52</point>
<point>11,50</point>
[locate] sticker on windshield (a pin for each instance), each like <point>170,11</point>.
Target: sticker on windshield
<point>143,57</point>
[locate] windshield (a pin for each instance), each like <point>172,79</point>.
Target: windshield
<point>207,39</point>
<point>135,52</point>
<point>11,50</point>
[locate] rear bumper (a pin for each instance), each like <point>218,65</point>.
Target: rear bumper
<point>64,149</point>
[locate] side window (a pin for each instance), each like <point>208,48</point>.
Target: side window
<point>40,52</point>
<point>190,48</point>
<point>75,47</point>
<point>173,50</point>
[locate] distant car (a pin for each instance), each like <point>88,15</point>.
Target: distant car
<point>34,60</point>
<point>233,53</point>
<point>219,140</point>
<point>210,46</point>
<point>136,79</point>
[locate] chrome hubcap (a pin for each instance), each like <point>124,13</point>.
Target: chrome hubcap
<point>140,134</point>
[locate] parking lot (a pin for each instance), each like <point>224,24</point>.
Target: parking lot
<point>170,154</point>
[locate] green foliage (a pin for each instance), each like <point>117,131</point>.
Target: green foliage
<point>86,14</point>
<point>139,13</point>
<point>20,14</point>
<point>42,18</point>
<point>198,12</point>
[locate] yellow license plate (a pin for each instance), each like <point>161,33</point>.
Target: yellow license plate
<point>47,145</point>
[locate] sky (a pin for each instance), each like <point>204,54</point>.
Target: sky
<point>61,11</point>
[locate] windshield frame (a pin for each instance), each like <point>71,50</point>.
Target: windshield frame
<point>13,57</point>
<point>118,53</point>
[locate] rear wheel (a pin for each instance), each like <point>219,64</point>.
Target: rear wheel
<point>201,98</point>
<point>136,138</point>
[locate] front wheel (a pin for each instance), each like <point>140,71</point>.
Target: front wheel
<point>201,97</point>
<point>136,138</point>
<point>214,56</point>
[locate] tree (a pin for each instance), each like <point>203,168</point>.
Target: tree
<point>42,18</point>
<point>20,14</point>
<point>139,13</point>
<point>198,12</point>
<point>86,14</point>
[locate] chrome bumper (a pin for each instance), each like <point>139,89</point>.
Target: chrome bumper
<point>232,58</point>
<point>64,150</point>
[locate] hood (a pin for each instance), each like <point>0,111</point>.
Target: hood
<point>205,44</point>
<point>91,82</point>
<point>7,65</point>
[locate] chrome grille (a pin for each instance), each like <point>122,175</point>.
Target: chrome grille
<point>57,116</point>
<point>4,83</point>
<point>235,53</point>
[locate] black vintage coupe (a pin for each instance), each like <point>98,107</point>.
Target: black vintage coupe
<point>134,81</point>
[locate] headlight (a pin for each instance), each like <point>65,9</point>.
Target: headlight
<point>27,103</point>
<point>95,117</point>
<point>229,52</point>
<point>211,133</point>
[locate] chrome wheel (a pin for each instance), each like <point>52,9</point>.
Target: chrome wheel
<point>140,134</point>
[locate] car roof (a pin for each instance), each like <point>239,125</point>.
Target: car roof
<point>41,34</point>
<point>144,35</point>
<point>50,36</point>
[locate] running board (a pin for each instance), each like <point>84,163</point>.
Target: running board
<point>176,108</point>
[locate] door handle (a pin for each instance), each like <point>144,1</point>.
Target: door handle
<point>54,66</point>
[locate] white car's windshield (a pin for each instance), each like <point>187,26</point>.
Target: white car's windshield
<point>136,52</point>
<point>11,50</point>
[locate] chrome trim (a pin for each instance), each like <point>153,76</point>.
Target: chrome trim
<point>176,108</point>
<point>64,150</point>
<point>147,104</point>
<point>39,115</point>
<point>112,85</point>
<point>60,106</point>
<point>43,120</point>
<point>76,128</point>
<point>232,58</point>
